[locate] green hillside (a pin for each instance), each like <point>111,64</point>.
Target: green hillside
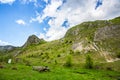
<point>99,38</point>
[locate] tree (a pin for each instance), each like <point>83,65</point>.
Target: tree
<point>89,62</point>
<point>68,61</point>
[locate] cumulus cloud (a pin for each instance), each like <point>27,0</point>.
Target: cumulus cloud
<point>42,36</point>
<point>28,1</point>
<point>46,1</point>
<point>75,12</point>
<point>38,18</point>
<point>21,22</point>
<point>7,1</point>
<point>3,43</point>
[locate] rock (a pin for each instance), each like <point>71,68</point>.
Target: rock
<point>32,40</point>
<point>9,61</point>
<point>41,68</point>
<point>107,32</point>
<point>1,66</point>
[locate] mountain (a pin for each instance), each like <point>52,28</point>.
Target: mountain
<point>11,51</point>
<point>6,48</point>
<point>101,36</point>
<point>33,40</point>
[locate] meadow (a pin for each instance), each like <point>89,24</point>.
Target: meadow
<point>57,72</point>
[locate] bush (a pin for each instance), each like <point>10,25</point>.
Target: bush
<point>68,61</point>
<point>118,55</point>
<point>89,62</point>
<point>56,62</point>
<point>109,68</point>
<point>77,52</point>
<point>58,55</point>
<point>71,52</point>
<point>5,58</point>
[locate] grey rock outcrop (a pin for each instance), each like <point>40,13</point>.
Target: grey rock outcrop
<point>107,33</point>
<point>41,68</point>
<point>33,39</point>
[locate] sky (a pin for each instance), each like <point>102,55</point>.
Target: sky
<point>49,19</point>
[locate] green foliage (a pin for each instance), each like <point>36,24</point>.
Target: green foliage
<point>4,58</point>
<point>56,62</point>
<point>115,20</point>
<point>118,54</point>
<point>89,62</point>
<point>68,61</point>
<point>58,55</point>
<point>42,41</point>
<point>71,52</point>
<point>77,52</point>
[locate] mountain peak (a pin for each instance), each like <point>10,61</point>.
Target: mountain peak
<point>33,39</point>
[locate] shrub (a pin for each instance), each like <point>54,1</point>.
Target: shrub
<point>77,52</point>
<point>56,62</point>
<point>89,62</point>
<point>71,52</point>
<point>68,61</point>
<point>109,68</point>
<point>14,68</point>
<point>58,55</point>
<point>27,63</point>
<point>118,55</point>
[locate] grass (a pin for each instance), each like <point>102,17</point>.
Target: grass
<point>57,73</point>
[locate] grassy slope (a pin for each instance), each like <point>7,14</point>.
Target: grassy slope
<point>46,53</point>
<point>57,73</point>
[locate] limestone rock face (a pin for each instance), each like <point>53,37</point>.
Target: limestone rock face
<point>107,32</point>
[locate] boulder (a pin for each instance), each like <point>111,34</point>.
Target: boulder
<point>41,68</point>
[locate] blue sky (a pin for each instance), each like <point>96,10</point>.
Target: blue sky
<point>49,19</point>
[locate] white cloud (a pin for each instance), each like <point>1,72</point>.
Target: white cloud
<point>3,43</point>
<point>46,1</point>
<point>44,29</point>
<point>28,1</point>
<point>75,11</point>
<point>42,36</point>
<point>51,9</point>
<point>38,18</point>
<point>7,1</point>
<point>21,22</point>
